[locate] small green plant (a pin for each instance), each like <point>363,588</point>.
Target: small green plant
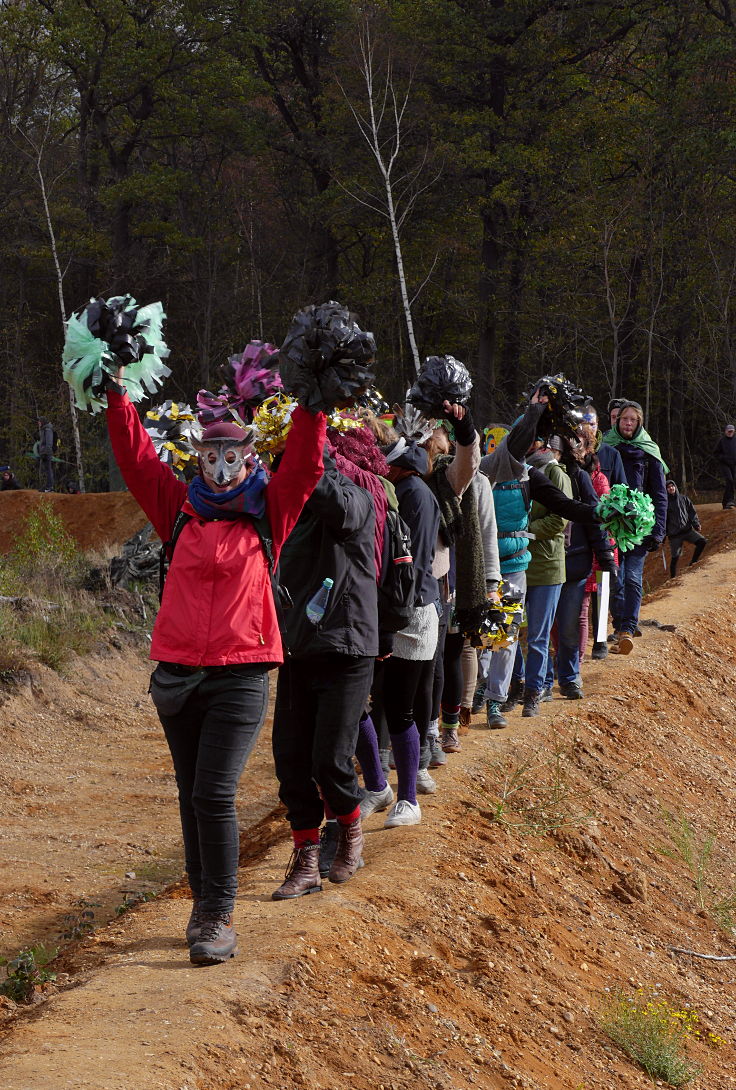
<point>696,852</point>
<point>132,900</point>
<point>537,795</point>
<point>653,1033</point>
<point>81,921</point>
<point>27,972</point>
<point>44,557</point>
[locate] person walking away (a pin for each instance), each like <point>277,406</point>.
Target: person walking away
<point>683,525</point>
<point>46,454</point>
<point>725,452</point>
<point>324,684</point>
<point>216,634</point>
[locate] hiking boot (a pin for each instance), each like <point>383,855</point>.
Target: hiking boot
<point>437,757</point>
<point>479,699</point>
<point>613,637</point>
<point>383,755</point>
<point>425,783</point>
<point>327,846</point>
<point>302,874</point>
<point>450,740</point>
<point>600,650</point>
<point>625,644</point>
<point>195,923</point>
<point>403,813</point>
<point>573,691</point>
<point>348,855</point>
<point>516,694</point>
<point>217,940</point>
<point>532,699</point>
<point>371,803</point>
<point>546,694</point>
<point>494,715</point>
<point>463,726</point>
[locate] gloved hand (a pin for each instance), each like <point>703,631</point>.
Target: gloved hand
<point>462,424</point>
<point>607,562</point>
<point>651,543</point>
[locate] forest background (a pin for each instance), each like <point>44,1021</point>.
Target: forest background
<point>561,183</point>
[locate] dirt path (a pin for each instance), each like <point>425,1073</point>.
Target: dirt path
<point>464,954</point>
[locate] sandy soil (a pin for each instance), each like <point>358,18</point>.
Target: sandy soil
<point>472,950</point>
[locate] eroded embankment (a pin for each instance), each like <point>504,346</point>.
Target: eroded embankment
<point>466,953</point>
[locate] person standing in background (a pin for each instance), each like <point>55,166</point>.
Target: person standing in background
<point>46,454</point>
<point>725,452</point>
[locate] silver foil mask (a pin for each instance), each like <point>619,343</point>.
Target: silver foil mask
<point>221,460</point>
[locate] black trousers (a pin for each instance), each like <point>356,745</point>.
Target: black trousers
<point>319,702</point>
<point>407,694</point>
<point>729,483</point>
<point>210,740</point>
<point>677,542</point>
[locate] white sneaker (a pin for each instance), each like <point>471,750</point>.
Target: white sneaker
<point>403,813</point>
<point>373,801</point>
<point>425,784</point>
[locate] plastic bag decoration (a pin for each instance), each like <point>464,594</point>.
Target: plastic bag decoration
<point>272,421</point>
<point>250,378</point>
<point>627,514</point>
<point>108,334</point>
<point>325,358</point>
<point>373,400</point>
<point>443,378</point>
<point>565,409</point>
<point>502,620</point>
<point>170,427</point>
<point>411,424</point>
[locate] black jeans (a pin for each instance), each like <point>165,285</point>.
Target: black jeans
<point>676,543</point>
<point>210,740</point>
<point>729,483</point>
<point>407,694</point>
<point>319,702</point>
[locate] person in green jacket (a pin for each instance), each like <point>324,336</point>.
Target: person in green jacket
<point>545,575</point>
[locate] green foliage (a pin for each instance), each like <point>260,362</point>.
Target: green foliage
<point>652,1033</point>
<point>80,921</point>
<point>27,972</point>
<point>696,851</point>
<point>44,555</point>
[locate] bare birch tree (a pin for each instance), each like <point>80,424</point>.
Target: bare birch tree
<point>382,124</point>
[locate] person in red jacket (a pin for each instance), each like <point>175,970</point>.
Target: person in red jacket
<point>216,635</point>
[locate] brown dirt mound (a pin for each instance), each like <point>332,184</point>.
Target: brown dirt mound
<point>473,950</point>
<point>94,520</point>
<point>718,526</point>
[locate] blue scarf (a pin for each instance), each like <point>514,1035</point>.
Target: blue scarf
<point>247,499</point>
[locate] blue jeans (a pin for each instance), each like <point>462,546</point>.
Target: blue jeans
<point>541,606</point>
<point>568,631</point>
<point>626,599</point>
<point>501,667</point>
<point>210,740</point>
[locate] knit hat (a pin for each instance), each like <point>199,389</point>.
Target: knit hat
<point>555,443</point>
<point>615,403</point>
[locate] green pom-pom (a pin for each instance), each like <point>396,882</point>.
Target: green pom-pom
<point>627,514</point>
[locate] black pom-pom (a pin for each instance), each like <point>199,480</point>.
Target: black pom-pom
<point>325,358</point>
<point>565,409</point>
<point>443,378</point>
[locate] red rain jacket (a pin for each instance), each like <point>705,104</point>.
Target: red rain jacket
<point>217,607</point>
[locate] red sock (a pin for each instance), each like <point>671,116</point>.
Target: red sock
<point>305,836</point>
<point>348,819</point>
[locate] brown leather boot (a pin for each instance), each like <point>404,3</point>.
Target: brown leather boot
<point>302,874</point>
<point>195,923</point>
<point>464,724</point>
<point>217,939</point>
<point>349,850</point>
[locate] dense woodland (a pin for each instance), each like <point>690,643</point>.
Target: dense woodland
<point>558,177</point>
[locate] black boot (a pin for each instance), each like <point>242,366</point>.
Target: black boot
<point>516,692</point>
<point>195,923</point>
<point>217,940</point>
<point>532,700</point>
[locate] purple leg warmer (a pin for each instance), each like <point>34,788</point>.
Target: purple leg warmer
<point>406,756</point>
<point>366,750</point>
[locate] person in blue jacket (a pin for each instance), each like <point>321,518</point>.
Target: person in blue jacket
<point>645,469</point>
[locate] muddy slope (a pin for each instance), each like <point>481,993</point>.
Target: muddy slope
<point>469,951</point>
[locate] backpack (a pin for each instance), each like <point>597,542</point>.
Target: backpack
<point>398,576</point>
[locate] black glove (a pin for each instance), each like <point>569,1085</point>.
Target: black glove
<point>464,429</point>
<point>651,543</point>
<point>607,562</point>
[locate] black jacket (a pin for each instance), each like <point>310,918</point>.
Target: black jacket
<point>333,538</point>
<point>681,515</point>
<point>725,450</point>
<point>420,511</point>
<point>586,539</point>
